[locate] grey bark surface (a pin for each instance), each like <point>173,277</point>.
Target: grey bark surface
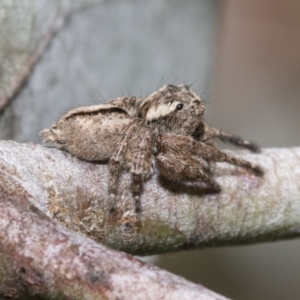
<point>39,259</point>
<point>74,192</point>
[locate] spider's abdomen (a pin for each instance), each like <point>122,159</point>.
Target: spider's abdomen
<point>91,134</point>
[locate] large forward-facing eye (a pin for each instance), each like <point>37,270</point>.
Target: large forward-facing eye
<point>179,106</point>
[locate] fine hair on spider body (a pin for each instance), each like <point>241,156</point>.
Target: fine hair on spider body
<point>166,130</point>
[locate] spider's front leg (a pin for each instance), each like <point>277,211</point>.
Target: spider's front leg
<point>175,162</point>
<point>115,169</point>
<point>133,153</point>
<point>212,133</point>
<point>136,189</point>
<point>139,159</point>
<point>181,158</point>
<point>116,165</point>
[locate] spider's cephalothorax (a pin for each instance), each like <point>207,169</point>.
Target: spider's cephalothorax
<point>166,130</point>
<point>173,109</point>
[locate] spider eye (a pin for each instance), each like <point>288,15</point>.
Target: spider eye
<point>179,106</point>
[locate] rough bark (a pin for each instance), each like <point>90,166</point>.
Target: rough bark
<point>248,210</point>
<point>39,259</point>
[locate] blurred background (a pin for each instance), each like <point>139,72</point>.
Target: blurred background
<point>241,56</point>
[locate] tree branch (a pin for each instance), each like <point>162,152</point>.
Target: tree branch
<point>249,209</point>
<point>39,258</point>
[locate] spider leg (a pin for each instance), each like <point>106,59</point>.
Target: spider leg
<point>233,139</point>
<point>116,165</point>
<point>211,153</point>
<point>181,158</point>
<point>139,158</point>
<point>115,169</point>
<point>136,188</point>
<point>178,168</point>
<point>175,162</point>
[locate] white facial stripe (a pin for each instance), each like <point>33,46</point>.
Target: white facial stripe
<point>161,110</point>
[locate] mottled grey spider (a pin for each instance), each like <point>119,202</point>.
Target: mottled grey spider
<point>166,130</point>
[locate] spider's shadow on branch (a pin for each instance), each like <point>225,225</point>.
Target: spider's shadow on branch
<point>197,188</point>
<point>191,188</point>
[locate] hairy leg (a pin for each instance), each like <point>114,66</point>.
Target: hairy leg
<point>176,162</point>
<point>116,163</point>
<point>212,153</point>
<point>181,158</point>
<point>139,158</point>
<point>178,168</point>
<point>115,169</point>
<point>212,133</point>
<point>136,189</point>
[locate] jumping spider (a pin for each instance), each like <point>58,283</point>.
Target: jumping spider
<point>166,130</point>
